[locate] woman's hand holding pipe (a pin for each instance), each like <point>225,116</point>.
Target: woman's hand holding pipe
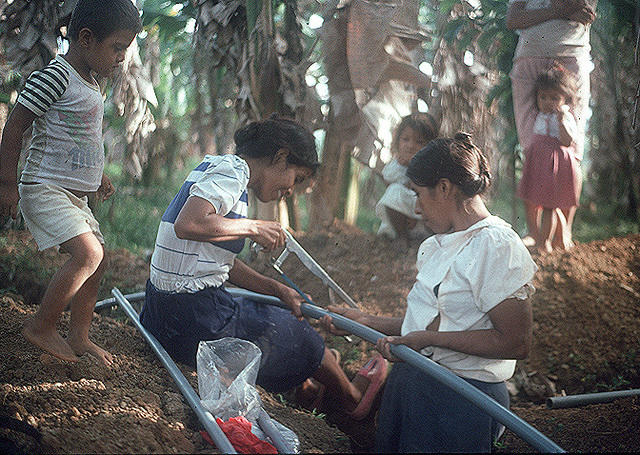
<point>292,299</point>
<point>415,340</point>
<point>350,313</point>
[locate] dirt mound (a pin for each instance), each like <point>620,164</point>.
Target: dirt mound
<point>587,316</point>
<point>132,407</point>
<point>586,339</point>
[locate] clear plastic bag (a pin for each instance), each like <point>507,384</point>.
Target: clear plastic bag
<point>227,371</point>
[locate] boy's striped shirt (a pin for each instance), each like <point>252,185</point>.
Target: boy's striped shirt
<point>66,146</point>
<point>44,87</point>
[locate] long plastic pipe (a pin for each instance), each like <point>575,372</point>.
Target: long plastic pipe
<point>428,366</point>
<point>584,399</point>
<point>205,417</point>
<point>269,428</point>
<point>107,303</point>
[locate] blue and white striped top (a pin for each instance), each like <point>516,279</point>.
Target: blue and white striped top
<point>179,265</point>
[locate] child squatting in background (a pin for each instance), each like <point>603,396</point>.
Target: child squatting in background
<point>64,166</point>
<point>396,207</point>
<point>551,180</point>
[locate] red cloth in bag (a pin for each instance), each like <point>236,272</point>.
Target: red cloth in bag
<point>238,431</point>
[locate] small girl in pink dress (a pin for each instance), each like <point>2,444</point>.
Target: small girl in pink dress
<point>551,179</point>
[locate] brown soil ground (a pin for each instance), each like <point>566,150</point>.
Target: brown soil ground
<point>586,339</point>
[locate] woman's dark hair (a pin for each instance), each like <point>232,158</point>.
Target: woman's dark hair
<point>456,159</point>
<point>264,138</point>
<point>104,17</point>
<point>557,78</point>
<point>424,124</point>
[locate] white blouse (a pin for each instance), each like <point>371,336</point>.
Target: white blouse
<point>180,265</point>
<point>394,172</point>
<point>549,124</point>
<point>461,277</point>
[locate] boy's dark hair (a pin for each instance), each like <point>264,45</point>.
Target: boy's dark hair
<point>104,17</point>
<point>557,78</point>
<point>265,137</point>
<point>456,159</point>
<point>424,124</point>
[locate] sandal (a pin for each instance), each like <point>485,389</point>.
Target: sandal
<point>375,371</point>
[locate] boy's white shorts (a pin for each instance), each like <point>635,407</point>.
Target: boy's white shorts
<point>54,215</point>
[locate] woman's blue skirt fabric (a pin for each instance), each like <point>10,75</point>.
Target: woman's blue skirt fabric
<point>291,349</point>
<point>419,414</point>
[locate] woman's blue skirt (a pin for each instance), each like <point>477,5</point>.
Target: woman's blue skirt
<point>291,349</point>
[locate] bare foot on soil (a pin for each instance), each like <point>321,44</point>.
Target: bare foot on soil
<point>529,241</point>
<point>545,247</point>
<point>50,342</point>
<point>89,347</point>
<point>309,394</point>
<point>563,245</point>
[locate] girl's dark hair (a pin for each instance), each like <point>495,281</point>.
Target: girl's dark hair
<point>265,137</point>
<point>557,78</point>
<point>456,159</point>
<point>104,17</point>
<point>424,124</point>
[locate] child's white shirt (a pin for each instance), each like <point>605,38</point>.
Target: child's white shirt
<point>394,172</point>
<point>549,124</point>
<point>461,277</point>
<point>398,196</point>
<point>66,146</point>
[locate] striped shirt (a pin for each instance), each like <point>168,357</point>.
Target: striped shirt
<point>66,146</point>
<point>179,265</point>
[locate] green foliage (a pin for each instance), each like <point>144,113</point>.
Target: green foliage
<point>172,23</point>
<point>20,262</point>
<point>130,218</point>
<point>169,17</point>
<point>318,415</point>
<point>483,31</point>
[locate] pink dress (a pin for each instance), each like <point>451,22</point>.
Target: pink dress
<point>551,175</point>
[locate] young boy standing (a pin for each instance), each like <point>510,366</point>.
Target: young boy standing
<point>65,164</point>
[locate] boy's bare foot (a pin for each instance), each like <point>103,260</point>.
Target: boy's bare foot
<point>51,342</point>
<point>89,347</point>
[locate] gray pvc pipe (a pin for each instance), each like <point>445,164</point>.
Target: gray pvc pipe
<point>269,428</point>
<point>428,366</point>
<point>107,303</point>
<point>205,417</point>
<point>573,401</point>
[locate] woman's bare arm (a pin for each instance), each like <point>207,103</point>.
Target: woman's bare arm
<point>510,337</point>
<point>199,221</point>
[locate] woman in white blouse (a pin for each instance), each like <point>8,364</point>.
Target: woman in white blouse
<point>468,310</point>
